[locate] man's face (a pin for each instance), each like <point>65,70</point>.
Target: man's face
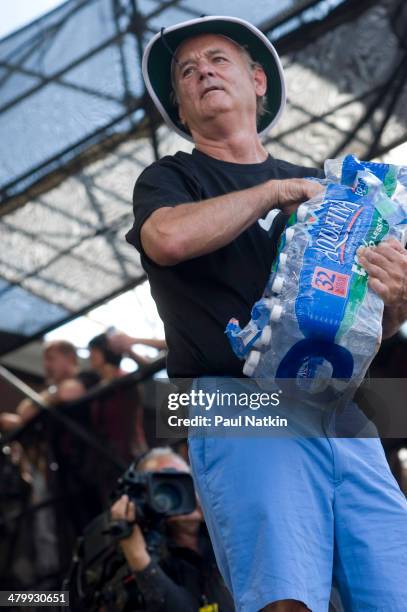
<point>57,365</point>
<point>214,80</point>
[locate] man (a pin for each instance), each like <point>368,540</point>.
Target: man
<point>60,361</point>
<point>65,383</point>
<point>103,359</point>
<point>188,577</point>
<point>284,514</point>
<point>119,415</point>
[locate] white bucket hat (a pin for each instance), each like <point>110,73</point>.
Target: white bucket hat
<point>159,53</point>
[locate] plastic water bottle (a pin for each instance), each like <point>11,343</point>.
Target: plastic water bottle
<point>345,169</point>
<point>317,319</point>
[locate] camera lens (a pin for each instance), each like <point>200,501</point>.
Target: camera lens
<point>167,498</point>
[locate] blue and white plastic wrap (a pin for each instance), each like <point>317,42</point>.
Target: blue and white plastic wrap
<point>317,318</point>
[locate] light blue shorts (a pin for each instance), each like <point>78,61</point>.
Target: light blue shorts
<point>288,516</point>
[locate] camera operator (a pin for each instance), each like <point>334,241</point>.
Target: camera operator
<point>187,578</point>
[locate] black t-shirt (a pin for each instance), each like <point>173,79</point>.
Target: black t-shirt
<point>197,298</point>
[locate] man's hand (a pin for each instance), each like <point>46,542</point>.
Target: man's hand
<point>134,547</point>
<point>386,265</point>
<point>292,192</point>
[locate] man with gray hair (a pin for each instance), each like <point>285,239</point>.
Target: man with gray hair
<point>187,577</point>
<point>285,515</point>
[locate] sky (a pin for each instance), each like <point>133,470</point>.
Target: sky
<point>15,14</point>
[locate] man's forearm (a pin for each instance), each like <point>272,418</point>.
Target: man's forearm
<point>174,234</point>
<point>194,229</point>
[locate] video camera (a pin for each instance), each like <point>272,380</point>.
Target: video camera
<point>98,571</point>
<point>157,495</point>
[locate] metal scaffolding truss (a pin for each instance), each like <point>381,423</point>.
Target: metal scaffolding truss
<point>70,78</point>
<point>77,129</point>
<point>358,72</point>
<point>71,81</point>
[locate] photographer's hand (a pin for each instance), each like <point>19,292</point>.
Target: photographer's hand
<point>134,547</point>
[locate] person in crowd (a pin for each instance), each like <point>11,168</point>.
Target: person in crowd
<point>60,361</point>
<point>103,359</point>
<point>285,515</point>
<point>60,364</point>
<point>187,577</point>
<point>118,416</point>
<point>65,382</point>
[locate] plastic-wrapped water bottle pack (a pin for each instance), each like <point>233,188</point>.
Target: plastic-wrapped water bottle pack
<point>317,319</point>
